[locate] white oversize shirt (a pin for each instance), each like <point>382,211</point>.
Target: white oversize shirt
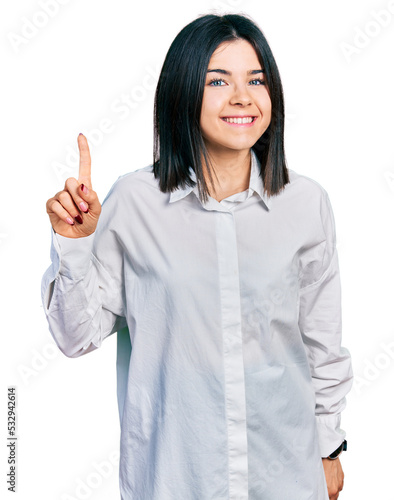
<point>231,374</point>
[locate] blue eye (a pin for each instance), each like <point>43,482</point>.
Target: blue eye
<point>216,80</point>
<point>261,82</point>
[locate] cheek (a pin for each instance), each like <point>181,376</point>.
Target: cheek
<point>210,110</point>
<point>266,108</point>
<point>266,102</point>
<point>212,103</point>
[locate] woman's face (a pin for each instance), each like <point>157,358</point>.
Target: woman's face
<point>234,89</point>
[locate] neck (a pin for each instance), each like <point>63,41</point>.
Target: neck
<point>231,173</point>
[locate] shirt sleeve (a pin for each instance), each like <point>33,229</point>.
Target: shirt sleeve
<point>320,323</point>
<point>82,290</point>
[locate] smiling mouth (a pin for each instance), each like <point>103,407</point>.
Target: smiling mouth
<point>242,120</point>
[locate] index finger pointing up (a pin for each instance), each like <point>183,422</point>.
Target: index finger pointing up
<point>84,175</point>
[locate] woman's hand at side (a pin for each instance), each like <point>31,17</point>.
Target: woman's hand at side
<point>74,212</point>
<point>334,477</point>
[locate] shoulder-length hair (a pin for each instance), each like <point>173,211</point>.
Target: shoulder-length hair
<point>178,142</point>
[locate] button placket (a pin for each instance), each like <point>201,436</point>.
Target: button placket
<point>233,355</point>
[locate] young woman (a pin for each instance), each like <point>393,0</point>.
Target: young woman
<point>218,268</point>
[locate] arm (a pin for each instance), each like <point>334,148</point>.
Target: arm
<point>82,299</point>
<point>82,289</point>
<point>320,323</point>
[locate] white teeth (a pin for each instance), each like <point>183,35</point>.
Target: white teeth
<point>248,119</point>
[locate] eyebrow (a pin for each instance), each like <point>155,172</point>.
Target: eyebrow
<point>225,72</point>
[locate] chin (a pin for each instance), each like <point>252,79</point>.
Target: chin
<point>239,146</point>
<point>228,144</point>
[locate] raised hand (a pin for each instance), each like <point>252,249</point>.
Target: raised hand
<point>74,212</point>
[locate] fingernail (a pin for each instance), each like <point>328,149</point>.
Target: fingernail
<point>84,188</point>
<point>83,207</point>
<point>78,218</point>
<point>70,221</point>
<point>80,134</point>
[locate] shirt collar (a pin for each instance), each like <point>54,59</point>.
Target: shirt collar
<point>256,181</point>
<point>255,184</point>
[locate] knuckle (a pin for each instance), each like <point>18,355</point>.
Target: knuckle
<point>53,207</point>
<point>70,182</point>
<point>64,197</point>
<point>49,203</point>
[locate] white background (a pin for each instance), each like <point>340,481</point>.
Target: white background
<point>69,77</point>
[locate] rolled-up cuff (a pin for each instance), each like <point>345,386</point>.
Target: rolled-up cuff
<point>75,255</point>
<point>330,433</point>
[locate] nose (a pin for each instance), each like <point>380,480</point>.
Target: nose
<point>240,96</point>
